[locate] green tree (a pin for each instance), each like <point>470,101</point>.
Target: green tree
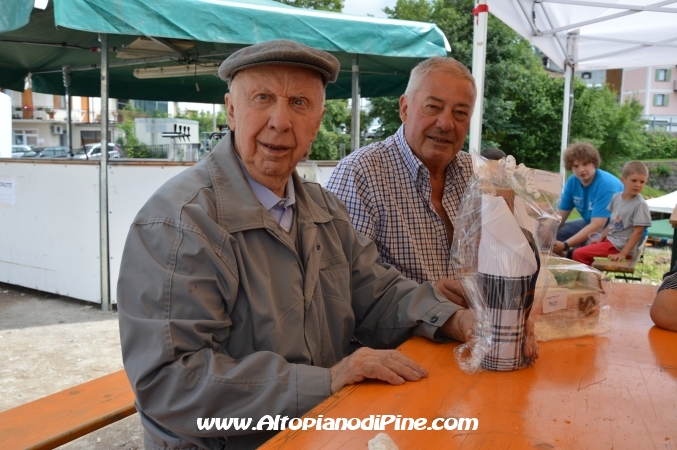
<point>659,145</point>
<point>387,111</point>
<point>325,5</point>
<point>132,147</point>
<point>615,130</point>
<point>333,131</point>
<point>522,102</point>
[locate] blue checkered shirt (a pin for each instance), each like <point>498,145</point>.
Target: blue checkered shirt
<point>387,191</point>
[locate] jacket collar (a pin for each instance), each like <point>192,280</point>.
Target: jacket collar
<point>231,188</point>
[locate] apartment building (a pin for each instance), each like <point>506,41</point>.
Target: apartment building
<point>39,120</point>
<point>655,88</point>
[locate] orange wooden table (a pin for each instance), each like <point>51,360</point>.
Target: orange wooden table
<point>614,391</point>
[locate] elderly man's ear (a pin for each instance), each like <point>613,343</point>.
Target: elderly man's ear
<point>229,111</point>
<point>404,105</point>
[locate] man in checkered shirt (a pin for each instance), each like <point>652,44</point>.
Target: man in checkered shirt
<point>404,192</point>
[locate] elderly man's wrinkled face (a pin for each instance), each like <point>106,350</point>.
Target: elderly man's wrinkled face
<point>275,112</point>
<point>436,118</point>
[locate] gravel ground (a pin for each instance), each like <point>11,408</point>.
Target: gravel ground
<point>50,343</point>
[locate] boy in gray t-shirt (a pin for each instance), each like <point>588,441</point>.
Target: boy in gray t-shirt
<point>629,218</point>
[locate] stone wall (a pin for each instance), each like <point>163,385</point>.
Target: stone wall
<point>666,182</point>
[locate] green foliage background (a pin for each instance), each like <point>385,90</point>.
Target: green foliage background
<point>523,103</point>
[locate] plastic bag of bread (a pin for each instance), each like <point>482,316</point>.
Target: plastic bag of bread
<point>574,303</point>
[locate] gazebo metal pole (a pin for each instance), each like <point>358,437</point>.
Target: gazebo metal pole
<point>572,57</point>
<point>355,120</point>
<point>103,178</point>
<point>479,56</point>
<point>69,119</point>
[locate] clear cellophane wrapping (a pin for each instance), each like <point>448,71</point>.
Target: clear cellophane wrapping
<point>503,235</point>
<point>575,301</point>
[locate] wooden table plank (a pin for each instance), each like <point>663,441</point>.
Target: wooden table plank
<point>618,390</point>
<point>64,416</point>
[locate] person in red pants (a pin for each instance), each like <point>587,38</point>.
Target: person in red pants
<point>629,218</point>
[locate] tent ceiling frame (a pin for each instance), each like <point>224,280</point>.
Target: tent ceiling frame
<point>628,50</point>
<point>167,44</point>
<point>638,8</point>
<point>629,9</point>
<point>665,43</point>
<point>655,6</point>
<point>529,17</point>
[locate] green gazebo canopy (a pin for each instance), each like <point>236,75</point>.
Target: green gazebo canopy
<point>202,32</point>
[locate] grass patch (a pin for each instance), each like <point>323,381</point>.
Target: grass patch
<point>649,192</point>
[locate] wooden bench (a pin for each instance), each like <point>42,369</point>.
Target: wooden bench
<point>59,418</point>
<point>625,269</point>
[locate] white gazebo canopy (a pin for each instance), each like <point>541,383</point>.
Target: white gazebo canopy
<point>665,204</point>
<point>612,34</point>
<point>580,35</point>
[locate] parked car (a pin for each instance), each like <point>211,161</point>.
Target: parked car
<point>93,151</point>
<point>23,151</point>
<point>52,152</point>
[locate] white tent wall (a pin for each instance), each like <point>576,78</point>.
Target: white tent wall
<point>49,236</point>
<point>665,204</point>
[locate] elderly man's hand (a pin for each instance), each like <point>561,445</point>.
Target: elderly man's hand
<point>386,365</point>
<point>460,325</point>
<point>530,345</point>
<point>452,290</point>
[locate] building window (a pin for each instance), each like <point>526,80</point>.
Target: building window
<point>663,74</point>
<point>59,102</point>
<point>661,99</point>
<point>26,137</point>
<point>586,75</point>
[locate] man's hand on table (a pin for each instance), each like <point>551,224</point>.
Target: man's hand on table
<point>393,367</point>
<point>530,344</point>
<point>461,325</point>
<point>385,365</point>
<point>452,290</point>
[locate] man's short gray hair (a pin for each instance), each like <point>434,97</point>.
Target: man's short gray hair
<point>438,64</point>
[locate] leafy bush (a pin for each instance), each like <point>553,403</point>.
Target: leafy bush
<point>662,170</point>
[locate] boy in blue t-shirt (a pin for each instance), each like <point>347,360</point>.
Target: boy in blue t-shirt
<point>630,216</point>
<point>589,191</point>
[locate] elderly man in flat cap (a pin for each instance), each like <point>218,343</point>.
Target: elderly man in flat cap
<point>244,289</point>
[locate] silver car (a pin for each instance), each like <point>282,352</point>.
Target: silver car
<point>23,151</point>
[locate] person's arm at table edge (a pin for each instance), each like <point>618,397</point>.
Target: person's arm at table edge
<point>596,225</point>
<point>630,246</point>
<point>664,309</point>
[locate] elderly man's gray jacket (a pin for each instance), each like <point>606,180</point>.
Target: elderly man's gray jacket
<point>221,317</point>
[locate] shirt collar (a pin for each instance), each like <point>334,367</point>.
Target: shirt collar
<point>416,166</point>
<point>411,161</point>
<point>266,197</point>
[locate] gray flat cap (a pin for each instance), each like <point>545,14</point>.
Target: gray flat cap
<point>283,52</point>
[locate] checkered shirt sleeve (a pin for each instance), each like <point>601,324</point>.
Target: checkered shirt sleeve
<point>670,280</point>
<point>386,189</point>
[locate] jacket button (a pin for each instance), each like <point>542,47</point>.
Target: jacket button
<point>433,320</point>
